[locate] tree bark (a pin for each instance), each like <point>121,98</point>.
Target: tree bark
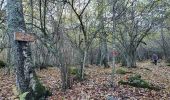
<point>21,50</point>
<point>103,52</point>
<point>83,62</point>
<point>131,59</point>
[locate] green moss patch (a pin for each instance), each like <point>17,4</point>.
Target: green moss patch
<point>24,96</point>
<point>73,71</point>
<point>39,91</point>
<point>122,71</point>
<point>136,81</point>
<point>168,65</point>
<point>2,64</point>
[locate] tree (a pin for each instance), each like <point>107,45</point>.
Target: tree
<point>133,26</point>
<point>54,41</point>
<point>26,80</point>
<point>86,41</point>
<point>103,48</point>
<point>21,49</point>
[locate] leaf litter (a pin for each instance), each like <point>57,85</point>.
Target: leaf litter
<point>97,84</point>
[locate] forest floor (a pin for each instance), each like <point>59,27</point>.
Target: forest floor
<point>96,87</point>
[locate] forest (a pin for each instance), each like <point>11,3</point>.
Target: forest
<point>84,49</point>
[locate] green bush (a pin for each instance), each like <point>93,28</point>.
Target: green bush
<point>2,64</point>
<point>121,71</point>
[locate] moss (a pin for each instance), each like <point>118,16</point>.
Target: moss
<point>2,64</point>
<point>39,91</point>
<point>122,82</point>
<point>48,93</point>
<point>136,81</point>
<point>140,83</point>
<point>121,71</point>
<point>73,71</point>
<point>168,60</point>
<point>135,77</point>
<point>168,65</point>
<point>24,96</point>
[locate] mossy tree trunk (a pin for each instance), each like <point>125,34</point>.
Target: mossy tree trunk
<point>131,58</point>
<point>16,24</point>
<point>103,52</point>
<point>21,50</point>
<point>83,65</point>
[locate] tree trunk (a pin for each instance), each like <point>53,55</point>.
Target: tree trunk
<point>164,46</point>
<point>21,50</point>
<point>113,47</point>
<point>9,65</point>
<point>103,54</point>
<point>64,76</point>
<point>131,59</point>
<point>83,64</point>
<point>98,62</point>
<point>104,51</point>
